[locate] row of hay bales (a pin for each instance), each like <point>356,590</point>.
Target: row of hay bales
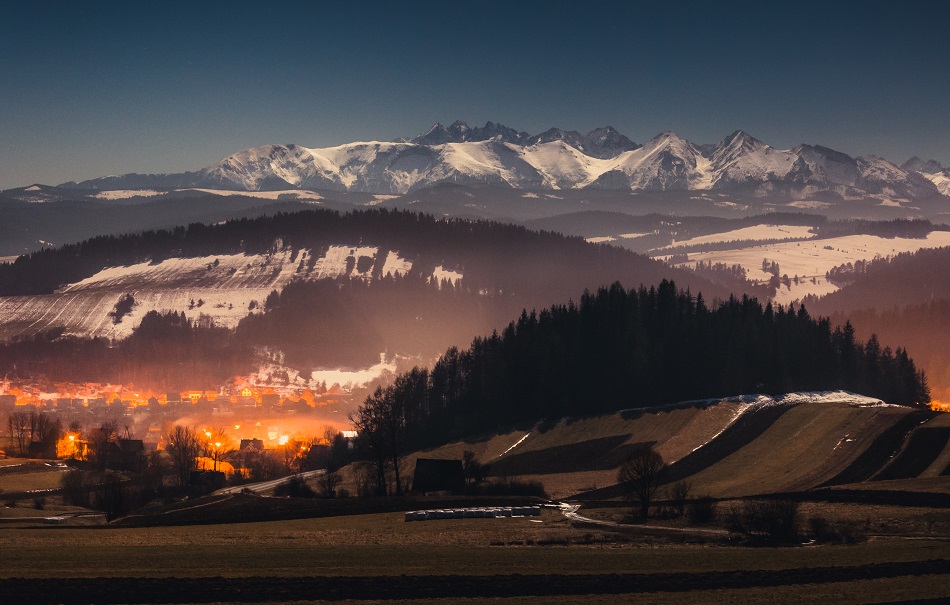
<point>493,512</point>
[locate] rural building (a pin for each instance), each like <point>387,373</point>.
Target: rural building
<point>255,445</point>
<point>125,455</point>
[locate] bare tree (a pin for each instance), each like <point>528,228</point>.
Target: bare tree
<point>184,447</point>
<point>474,470</point>
<point>639,476</point>
<point>370,425</point>
<point>328,483</point>
<point>99,441</point>
<point>679,495</point>
<point>18,427</point>
<point>217,445</point>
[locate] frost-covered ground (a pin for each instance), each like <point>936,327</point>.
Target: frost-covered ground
<point>286,380</point>
<point>754,233</point>
<point>441,273</point>
<point>811,259</point>
<point>124,194</point>
<point>293,194</point>
<point>221,289</point>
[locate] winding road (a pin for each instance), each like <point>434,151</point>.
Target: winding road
<point>264,486</point>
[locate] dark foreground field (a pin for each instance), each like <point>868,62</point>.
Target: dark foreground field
<point>379,558</point>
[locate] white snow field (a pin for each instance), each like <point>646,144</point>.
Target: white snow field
<point>122,194</point>
<point>813,258</point>
<point>754,233</point>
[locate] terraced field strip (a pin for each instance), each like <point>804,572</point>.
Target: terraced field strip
<point>880,451</point>
<point>921,450</point>
<point>739,434</point>
<point>942,462</point>
<point>276,589</point>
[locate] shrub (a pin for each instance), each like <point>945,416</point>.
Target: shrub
<point>39,503</point>
<point>773,520</point>
<point>295,487</point>
<point>679,496</point>
<point>700,511</point>
<point>823,530</point>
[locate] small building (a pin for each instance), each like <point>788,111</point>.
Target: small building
<point>125,455</point>
<point>433,475</point>
<point>39,449</point>
<point>254,445</point>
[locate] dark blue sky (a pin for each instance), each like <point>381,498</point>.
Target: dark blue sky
<point>96,88</point>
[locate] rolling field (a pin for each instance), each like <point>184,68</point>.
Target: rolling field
<point>577,454</point>
<point>806,446</point>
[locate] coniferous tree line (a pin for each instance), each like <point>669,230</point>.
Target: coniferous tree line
<point>907,278</point>
<point>350,322</point>
<point>921,328</point>
<point>618,349</point>
<point>165,352</point>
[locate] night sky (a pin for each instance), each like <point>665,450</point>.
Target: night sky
<point>97,88</point>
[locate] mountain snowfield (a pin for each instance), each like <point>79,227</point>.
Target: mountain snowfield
<point>221,289</point>
<point>554,160</point>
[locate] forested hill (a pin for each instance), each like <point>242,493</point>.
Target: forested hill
<point>905,279</point>
<point>492,256</point>
<point>906,301</point>
<point>620,349</point>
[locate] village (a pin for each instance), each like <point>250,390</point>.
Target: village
<point>137,423</point>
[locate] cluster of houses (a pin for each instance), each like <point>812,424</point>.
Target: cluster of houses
<point>219,403</point>
<point>146,416</point>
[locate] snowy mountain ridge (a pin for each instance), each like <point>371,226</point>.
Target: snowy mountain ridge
<point>555,159</point>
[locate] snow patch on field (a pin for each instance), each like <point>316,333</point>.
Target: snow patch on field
<point>634,235</point>
<point>809,204</point>
<point>291,381</point>
<point>514,445</point>
<point>334,263</point>
<point>379,199</point>
<point>292,194</point>
<point>754,233</point>
<point>441,273</point>
<point>218,289</point>
<point>395,265</point>
<point>600,240</point>
<point>813,258</point>
<point>123,194</point>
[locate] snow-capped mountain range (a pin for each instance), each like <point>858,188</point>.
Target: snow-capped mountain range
<point>555,159</point>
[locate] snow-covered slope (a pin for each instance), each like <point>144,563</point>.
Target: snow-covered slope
<point>665,162</point>
<point>221,289</point>
<point>555,159</point>
<point>932,171</point>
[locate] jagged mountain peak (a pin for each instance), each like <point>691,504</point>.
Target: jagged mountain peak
<point>498,155</point>
<point>460,132</point>
<point>915,164</point>
<point>742,138</point>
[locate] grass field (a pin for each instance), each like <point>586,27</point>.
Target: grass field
<point>354,553</point>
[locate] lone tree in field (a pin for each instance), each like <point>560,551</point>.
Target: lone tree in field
<point>639,476</point>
